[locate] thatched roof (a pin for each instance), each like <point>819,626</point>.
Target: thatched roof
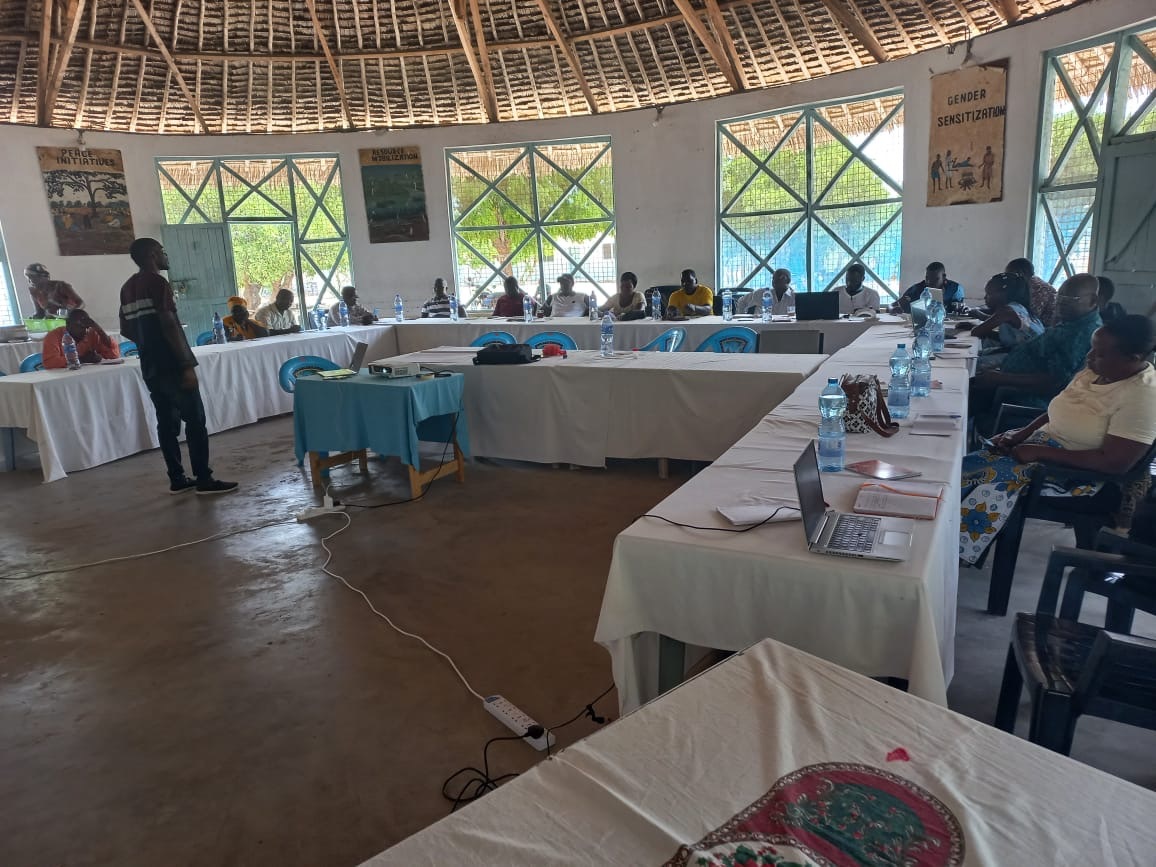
<point>228,66</point>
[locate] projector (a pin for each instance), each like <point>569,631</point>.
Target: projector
<point>394,369</point>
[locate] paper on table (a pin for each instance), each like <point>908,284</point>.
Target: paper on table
<point>934,426</point>
<point>756,508</point>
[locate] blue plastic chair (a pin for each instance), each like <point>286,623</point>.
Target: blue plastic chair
<point>668,341</point>
<point>543,337</point>
<point>204,338</point>
<point>32,362</point>
<point>128,349</point>
<point>302,365</point>
<point>492,337</point>
<point>737,338</point>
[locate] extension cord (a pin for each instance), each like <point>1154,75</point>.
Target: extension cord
<point>518,722</point>
<point>317,511</point>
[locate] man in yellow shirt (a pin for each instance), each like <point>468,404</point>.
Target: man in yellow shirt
<point>693,299</point>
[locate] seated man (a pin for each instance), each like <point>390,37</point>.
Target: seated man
<point>1043,295</point>
<point>239,325</point>
<point>92,344</point>
<point>566,303</point>
<point>853,295</point>
<point>628,303</point>
<point>437,307</point>
<point>782,296</point>
<point>693,299</point>
<point>935,277</point>
<point>358,315</point>
<point>276,317</point>
<point>1109,309</point>
<point>1038,369</point>
<point>51,298</point>
<point>510,303</point>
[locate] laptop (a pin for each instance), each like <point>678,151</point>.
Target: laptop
<point>354,366</point>
<point>816,305</point>
<point>848,535</point>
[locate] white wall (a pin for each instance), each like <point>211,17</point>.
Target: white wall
<point>664,175</point>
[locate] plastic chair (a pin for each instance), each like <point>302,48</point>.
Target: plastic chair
<point>791,342</point>
<point>35,361</point>
<point>668,341</point>
<point>204,338</point>
<point>540,339</point>
<point>492,337</point>
<point>736,339</point>
<point>128,349</point>
<point>300,366</point>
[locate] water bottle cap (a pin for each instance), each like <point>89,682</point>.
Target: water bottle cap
<point>832,381</point>
<point>902,346</point>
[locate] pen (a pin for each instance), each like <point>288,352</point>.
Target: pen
<point>940,415</point>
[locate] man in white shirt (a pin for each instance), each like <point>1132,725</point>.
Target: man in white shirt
<point>781,292</point>
<point>854,296</point>
<point>358,315</point>
<point>566,303</point>
<point>276,317</point>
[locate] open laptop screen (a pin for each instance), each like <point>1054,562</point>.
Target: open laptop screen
<point>809,488</point>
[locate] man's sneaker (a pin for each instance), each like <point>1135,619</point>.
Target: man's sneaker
<point>182,487</point>
<point>215,486</point>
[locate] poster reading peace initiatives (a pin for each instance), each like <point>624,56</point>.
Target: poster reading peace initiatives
<point>965,162</point>
<point>88,200</point>
<point>394,194</point>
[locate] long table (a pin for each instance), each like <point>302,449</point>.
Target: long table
<point>727,591</point>
<point>835,767</point>
<point>12,354</point>
<point>585,408</point>
<point>417,334</point>
<point>101,413</point>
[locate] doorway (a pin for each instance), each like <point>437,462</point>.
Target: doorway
<point>265,262</point>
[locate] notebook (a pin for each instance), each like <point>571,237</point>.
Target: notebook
<point>936,424</point>
<point>914,500</point>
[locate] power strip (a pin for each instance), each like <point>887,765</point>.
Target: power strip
<point>516,721</point>
<point>317,511</point>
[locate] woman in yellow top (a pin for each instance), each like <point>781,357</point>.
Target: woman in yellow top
<point>693,299</point>
<point>628,300</point>
<point>240,325</point>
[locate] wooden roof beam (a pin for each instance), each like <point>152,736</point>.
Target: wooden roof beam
<point>63,52</point>
<point>849,18</point>
<point>713,46</point>
<point>484,58</point>
<point>164,50</point>
<point>568,52</point>
<point>1008,10</point>
<point>334,69</point>
<point>723,34</point>
<point>43,53</point>
<point>458,11</point>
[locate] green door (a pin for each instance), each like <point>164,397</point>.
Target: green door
<point>1125,230</point>
<point>201,271</point>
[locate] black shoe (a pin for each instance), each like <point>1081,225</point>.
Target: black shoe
<point>215,486</point>
<point>182,487</point>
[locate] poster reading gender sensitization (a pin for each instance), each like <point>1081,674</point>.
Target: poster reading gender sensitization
<point>965,160</point>
<point>394,194</point>
<point>88,200</point>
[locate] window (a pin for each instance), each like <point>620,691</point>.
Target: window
<point>1094,94</point>
<point>812,189</point>
<point>533,211</point>
<point>286,218</point>
<point>9,307</point>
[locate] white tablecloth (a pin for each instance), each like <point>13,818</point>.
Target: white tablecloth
<point>417,334</point>
<point>682,766</point>
<point>101,413</point>
<point>11,354</point>
<point>727,590</point>
<point>584,409</point>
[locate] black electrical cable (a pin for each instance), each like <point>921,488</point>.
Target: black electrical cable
<point>587,712</point>
<point>765,520</point>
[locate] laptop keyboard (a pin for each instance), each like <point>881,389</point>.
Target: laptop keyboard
<point>854,533</point>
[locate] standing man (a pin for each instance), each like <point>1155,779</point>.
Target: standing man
<point>276,317</point>
<point>148,317</point>
<point>51,298</point>
<point>987,165</point>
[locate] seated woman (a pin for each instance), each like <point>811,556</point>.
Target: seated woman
<point>1010,321</point>
<point>92,344</point>
<point>239,325</point>
<point>628,303</point>
<point>1105,420</point>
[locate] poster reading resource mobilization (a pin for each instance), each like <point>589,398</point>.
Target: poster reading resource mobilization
<point>965,162</point>
<point>88,200</point>
<point>394,194</point>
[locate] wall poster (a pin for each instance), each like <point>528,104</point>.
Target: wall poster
<point>394,194</point>
<point>966,154</point>
<point>88,200</point>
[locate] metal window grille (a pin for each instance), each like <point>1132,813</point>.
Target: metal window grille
<point>9,307</point>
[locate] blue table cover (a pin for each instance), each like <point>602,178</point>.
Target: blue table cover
<point>388,416</point>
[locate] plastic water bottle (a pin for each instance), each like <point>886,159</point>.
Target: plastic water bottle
<point>832,431</point>
<point>343,313</point>
<point>766,307</point>
<point>71,358</point>
<point>656,306</point>
<point>728,305</point>
<point>527,309</point>
<point>606,337</point>
<point>593,308</point>
<point>921,365</point>
<point>899,389</point>
<point>376,313</point>
<point>936,313</point>
<point>398,308</point>
<point>453,299</point>
<point>218,329</point>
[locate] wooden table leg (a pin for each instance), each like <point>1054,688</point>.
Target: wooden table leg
<point>315,470</point>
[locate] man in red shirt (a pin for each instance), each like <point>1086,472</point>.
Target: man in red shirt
<point>148,317</point>
<point>92,344</point>
<point>510,304</point>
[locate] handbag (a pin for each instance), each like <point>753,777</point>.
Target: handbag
<point>505,353</point>
<point>866,407</point>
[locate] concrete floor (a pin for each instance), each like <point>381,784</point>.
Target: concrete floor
<point>228,704</point>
